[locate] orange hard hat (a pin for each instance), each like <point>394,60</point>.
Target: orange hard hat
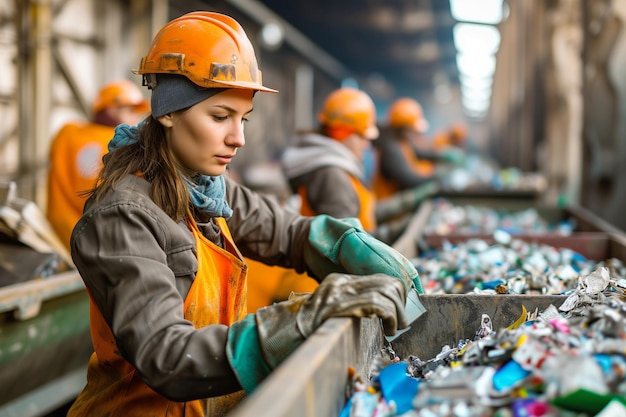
<point>350,110</point>
<point>406,112</point>
<point>210,49</point>
<point>120,93</point>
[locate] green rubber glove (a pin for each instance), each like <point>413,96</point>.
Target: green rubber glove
<point>453,155</point>
<point>405,201</point>
<point>341,245</point>
<point>262,341</point>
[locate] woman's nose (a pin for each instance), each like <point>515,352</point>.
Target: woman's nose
<point>236,136</point>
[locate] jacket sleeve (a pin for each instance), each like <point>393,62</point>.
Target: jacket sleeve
<point>265,231</point>
<point>329,191</point>
<point>395,167</point>
<point>121,251</point>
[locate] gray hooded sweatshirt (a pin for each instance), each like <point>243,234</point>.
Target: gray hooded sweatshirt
<point>323,166</point>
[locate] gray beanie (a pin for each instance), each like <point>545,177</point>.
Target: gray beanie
<point>176,92</point>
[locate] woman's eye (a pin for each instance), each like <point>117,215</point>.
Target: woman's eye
<point>245,120</point>
<point>220,118</point>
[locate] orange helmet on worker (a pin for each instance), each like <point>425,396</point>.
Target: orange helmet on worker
<point>120,93</point>
<point>347,111</point>
<point>407,113</point>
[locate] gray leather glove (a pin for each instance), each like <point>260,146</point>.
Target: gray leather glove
<point>261,341</point>
<point>343,295</point>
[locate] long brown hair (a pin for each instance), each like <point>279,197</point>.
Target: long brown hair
<point>151,157</point>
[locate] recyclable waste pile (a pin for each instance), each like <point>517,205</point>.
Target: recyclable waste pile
<point>448,218</point>
<point>478,172</point>
<point>566,361</point>
<point>509,266</point>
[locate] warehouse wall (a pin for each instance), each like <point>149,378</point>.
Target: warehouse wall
<point>604,134</point>
<point>55,56</point>
<point>559,101</point>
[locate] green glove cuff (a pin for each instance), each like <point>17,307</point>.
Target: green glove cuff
<point>454,155</point>
<point>325,237</point>
<point>418,285</point>
<point>338,245</point>
<point>260,342</point>
<point>243,351</point>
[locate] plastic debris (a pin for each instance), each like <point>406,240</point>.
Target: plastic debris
<point>518,267</point>
<point>563,361</point>
<point>448,218</point>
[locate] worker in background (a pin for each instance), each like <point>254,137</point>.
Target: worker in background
<point>160,245</point>
<point>326,170</point>
<point>77,149</point>
<point>326,167</point>
<point>404,160</point>
<point>453,137</point>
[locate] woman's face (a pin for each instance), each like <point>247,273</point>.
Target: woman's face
<point>205,137</point>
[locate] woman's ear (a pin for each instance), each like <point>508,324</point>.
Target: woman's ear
<point>166,120</point>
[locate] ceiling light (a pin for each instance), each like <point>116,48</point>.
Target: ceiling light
<point>476,81</point>
<point>483,11</point>
<point>470,38</point>
<point>475,105</point>
<point>272,36</point>
<point>476,65</point>
<point>475,93</point>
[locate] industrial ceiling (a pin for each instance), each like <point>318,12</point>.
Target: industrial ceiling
<point>407,44</point>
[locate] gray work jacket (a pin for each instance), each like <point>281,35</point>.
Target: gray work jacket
<point>139,264</point>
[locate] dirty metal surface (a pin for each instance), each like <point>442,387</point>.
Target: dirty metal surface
<point>408,242</point>
<point>44,348</point>
<point>452,317</point>
<point>312,381</point>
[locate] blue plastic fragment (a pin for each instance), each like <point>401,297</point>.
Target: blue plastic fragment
<point>397,386</point>
<point>509,375</point>
<point>492,284</point>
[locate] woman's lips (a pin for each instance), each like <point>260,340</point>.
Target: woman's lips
<point>225,159</point>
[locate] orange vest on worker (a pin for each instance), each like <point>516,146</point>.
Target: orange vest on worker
<point>217,296</point>
<point>268,284</point>
<point>367,204</point>
<point>75,160</point>
<point>441,140</point>
<point>384,187</point>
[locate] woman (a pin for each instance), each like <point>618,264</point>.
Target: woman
<point>161,242</point>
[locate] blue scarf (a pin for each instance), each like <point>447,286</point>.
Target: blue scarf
<point>207,192</point>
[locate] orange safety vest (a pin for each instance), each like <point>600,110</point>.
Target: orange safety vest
<point>75,160</point>
<point>385,187</point>
<point>367,204</point>
<point>269,284</point>
<point>441,140</point>
<point>217,296</point>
